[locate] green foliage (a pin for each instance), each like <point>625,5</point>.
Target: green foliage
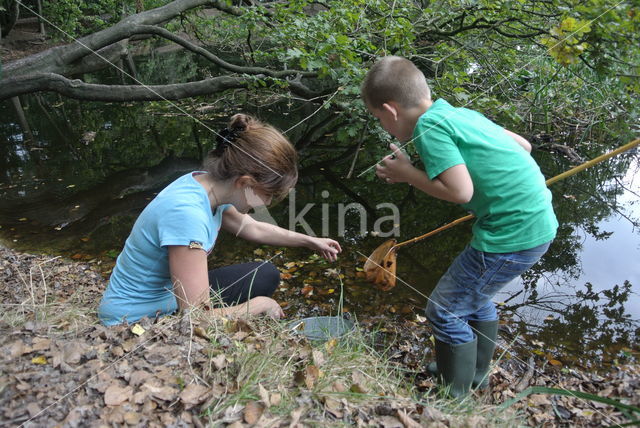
<point>76,18</point>
<point>560,67</point>
<point>564,40</point>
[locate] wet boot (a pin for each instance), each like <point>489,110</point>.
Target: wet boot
<point>486,333</point>
<point>456,366</point>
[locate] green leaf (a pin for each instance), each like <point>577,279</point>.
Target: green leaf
<point>571,393</point>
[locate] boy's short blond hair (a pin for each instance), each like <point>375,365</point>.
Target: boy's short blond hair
<point>394,78</point>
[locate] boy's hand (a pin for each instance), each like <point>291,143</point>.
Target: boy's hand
<point>395,168</point>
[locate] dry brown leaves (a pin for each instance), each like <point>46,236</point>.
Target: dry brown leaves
<point>172,372</point>
<point>556,410</point>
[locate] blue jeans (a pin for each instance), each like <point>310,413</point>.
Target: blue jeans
<point>465,291</point>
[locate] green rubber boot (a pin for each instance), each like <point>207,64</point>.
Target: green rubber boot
<point>486,334</point>
<point>456,364</point>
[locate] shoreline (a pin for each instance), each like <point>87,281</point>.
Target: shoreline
<point>49,325</point>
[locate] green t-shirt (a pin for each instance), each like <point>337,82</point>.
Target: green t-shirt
<point>510,198</point>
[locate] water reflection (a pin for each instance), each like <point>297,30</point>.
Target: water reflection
<point>77,188</point>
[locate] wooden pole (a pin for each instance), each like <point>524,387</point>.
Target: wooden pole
<point>549,182</point>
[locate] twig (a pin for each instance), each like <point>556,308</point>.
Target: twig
<point>526,379</point>
<point>355,156</point>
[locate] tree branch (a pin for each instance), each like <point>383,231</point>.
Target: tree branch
<point>50,82</point>
<point>159,31</point>
<point>56,59</point>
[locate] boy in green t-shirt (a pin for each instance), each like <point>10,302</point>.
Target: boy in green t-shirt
<point>469,160</point>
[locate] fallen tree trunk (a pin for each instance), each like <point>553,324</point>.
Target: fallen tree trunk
<point>52,69</point>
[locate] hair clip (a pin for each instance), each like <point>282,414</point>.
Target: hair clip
<point>225,138</point>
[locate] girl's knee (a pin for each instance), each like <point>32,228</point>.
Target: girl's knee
<point>269,278</point>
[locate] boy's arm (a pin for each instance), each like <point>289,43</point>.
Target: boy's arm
<point>520,140</point>
<point>453,185</point>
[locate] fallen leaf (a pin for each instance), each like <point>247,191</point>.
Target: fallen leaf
<point>132,418</point>
<point>40,344</point>
<point>307,290</point>
<point>138,377</point>
<point>219,362</point>
<point>318,357</point>
<point>307,377</point>
<point>165,393</point>
<point>539,400</point>
<point>39,360</point>
<point>194,394</point>
<point>295,416</point>
<point>115,395</point>
<point>137,330</point>
<point>359,382</point>
<point>200,332</point>
<point>252,412</point>
<point>72,352</point>
<point>337,386</point>
<point>276,399</point>
<point>233,413</point>
<point>264,395</point>
<point>331,343</point>
<point>16,349</point>
<point>388,422</point>
<point>333,406</point>
<point>408,422</point>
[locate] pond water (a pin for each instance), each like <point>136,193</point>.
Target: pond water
<point>76,184</point>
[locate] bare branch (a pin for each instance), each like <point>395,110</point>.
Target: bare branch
<point>159,31</point>
<point>51,82</point>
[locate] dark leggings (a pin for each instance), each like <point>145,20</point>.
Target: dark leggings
<point>238,283</point>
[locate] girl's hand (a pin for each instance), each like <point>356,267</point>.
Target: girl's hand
<point>395,168</point>
<point>328,248</point>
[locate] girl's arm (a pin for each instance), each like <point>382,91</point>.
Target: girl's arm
<point>190,278</point>
<point>245,227</point>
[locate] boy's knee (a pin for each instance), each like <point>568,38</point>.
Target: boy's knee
<point>431,312</point>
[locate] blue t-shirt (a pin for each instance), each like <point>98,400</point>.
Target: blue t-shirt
<point>140,284</point>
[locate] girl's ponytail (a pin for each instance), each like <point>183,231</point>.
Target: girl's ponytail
<point>250,147</point>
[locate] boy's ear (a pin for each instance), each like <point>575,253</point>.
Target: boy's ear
<point>392,108</point>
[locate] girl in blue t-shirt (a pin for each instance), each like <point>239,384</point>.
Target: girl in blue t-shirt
<point>163,266</point>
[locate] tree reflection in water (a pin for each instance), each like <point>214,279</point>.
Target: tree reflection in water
<point>90,176</point>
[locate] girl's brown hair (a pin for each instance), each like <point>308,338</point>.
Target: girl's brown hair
<point>250,147</point>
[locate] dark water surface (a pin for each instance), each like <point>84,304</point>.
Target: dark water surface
<point>76,185</point>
